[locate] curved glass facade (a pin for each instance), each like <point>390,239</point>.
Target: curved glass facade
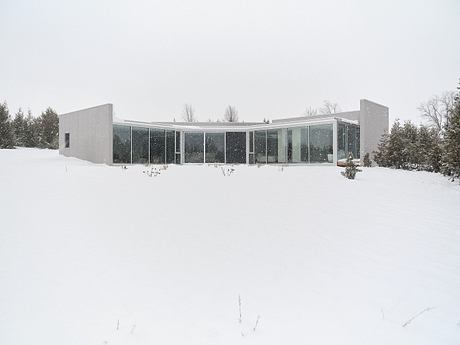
<point>312,143</point>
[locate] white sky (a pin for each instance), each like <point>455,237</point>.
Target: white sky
<point>268,58</point>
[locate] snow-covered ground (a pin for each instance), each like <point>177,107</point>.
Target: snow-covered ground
<point>92,254</point>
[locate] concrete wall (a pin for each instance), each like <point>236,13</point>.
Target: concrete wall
<point>91,132</point>
<point>374,122</point>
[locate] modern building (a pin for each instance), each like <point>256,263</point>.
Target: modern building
<point>94,134</point>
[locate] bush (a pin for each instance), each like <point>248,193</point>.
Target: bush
<point>350,168</point>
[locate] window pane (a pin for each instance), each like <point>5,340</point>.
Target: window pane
<point>304,144</point>
<point>215,148</point>
<point>157,146</point>
<point>236,147</point>
<point>194,148</point>
<point>272,146</point>
<point>251,141</point>
<point>67,140</point>
<point>297,150</point>
<point>177,143</point>
<point>251,158</point>
<point>121,144</point>
<point>341,141</point>
<point>353,140</point>
<point>140,137</point>
<point>282,149</point>
<point>321,144</point>
<point>170,147</point>
<point>260,146</point>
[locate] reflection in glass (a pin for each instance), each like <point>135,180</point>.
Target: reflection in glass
<point>260,146</point>
<point>157,146</point>
<point>215,148</point>
<point>272,146</point>
<point>170,147</point>
<point>121,144</point>
<point>194,147</point>
<point>321,144</point>
<point>140,138</point>
<point>297,150</point>
<point>235,147</point>
<point>341,141</point>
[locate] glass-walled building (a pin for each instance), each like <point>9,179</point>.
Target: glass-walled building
<point>292,143</point>
<point>93,134</point>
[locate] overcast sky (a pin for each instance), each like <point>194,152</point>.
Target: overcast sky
<point>268,58</point>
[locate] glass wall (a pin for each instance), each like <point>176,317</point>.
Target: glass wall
<point>297,147</point>
<point>347,140</point>
<point>215,148</point>
<point>140,138</point>
<point>121,144</point>
<point>342,145</point>
<point>170,147</point>
<point>178,149</point>
<point>272,146</point>
<point>251,148</point>
<point>236,147</point>
<point>321,144</point>
<point>353,140</point>
<point>260,147</point>
<point>157,146</point>
<point>194,147</point>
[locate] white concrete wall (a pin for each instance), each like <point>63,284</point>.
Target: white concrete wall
<point>374,122</point>
<point>91,132</point>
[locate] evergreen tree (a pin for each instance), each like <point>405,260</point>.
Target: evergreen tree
<point>381,155</point>
<point>396,146</point>
<point>367,160</point>
<point>350,168</point>
<point>19,125</point>
<point>49,129</point>
<point>6,128</point>
<point>410,157</point>
<point>451,149</point>
<point>32,131</point>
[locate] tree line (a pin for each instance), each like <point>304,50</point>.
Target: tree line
<point>434,147</point>
<point>27,130</point>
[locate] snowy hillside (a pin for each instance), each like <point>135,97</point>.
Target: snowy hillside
<point>92,254</point>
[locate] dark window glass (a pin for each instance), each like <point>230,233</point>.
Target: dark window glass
<point>170,147</point>
<point>272,146</point>
<point>260,146</point>
<point>353,140</point>
<point>157,146</point>
<point>194,148</point>
<point>67,140</point>
<point>251,141</point>
<point>177,142</point>
<point>251,158</point>
<point>215,148</point>
<point>235,147</point>
<point>321,144</point>
<point>178,158</point>
<point>341,141</point>
<point>304,144</point>
<point>121,144</point>
<point>140,137</point>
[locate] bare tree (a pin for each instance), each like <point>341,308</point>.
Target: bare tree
<point>311,111</point>
<point>231,114</point>
<point>437,109</point>
<point>329,108</point>
<point>188,113</point>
